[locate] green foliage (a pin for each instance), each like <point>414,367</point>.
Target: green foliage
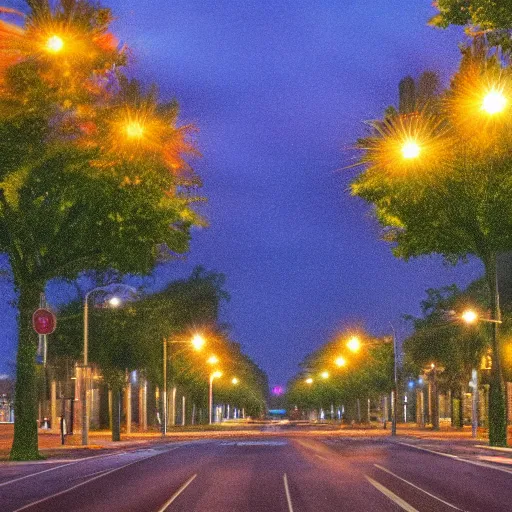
<point>77,191</point>
<point>489,16</point>
<point>369,373</point>
<point>441,338</point>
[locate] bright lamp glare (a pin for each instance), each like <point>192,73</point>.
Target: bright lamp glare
<point>324,375</point>
<point>309,380</point>
<point>134,130</point>
<point>234,381</point>
<point>198,342</point>
<point>216,374</point>
<point>410,149</point>
<point>213,360</point>
<point>340,361</point>
<point>354,344</point>
<point>494,102</point>
<point>114,302</point>
<point>469,316</point>
<point>54,44</point>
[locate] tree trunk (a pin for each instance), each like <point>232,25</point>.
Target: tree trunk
<point>116,413</point>
<point>497,404</point>
<point>24,446</point>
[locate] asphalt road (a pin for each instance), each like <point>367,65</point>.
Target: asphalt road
<point>264,474</point>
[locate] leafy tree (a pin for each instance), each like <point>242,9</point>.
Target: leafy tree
<point>369,373</point>
<point>439,338</point>
<point>452,194</point>
<point>92,170</point>
<point>490,17</point>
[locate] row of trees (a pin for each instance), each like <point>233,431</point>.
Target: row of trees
<point>94,171</point>
<point>131,337</point>
<point>335,376</point>
<point>437,171</point>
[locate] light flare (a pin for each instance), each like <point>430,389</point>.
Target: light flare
<point>469,316</point>
<point>309,380</point>
<point>494,102</point>
<point>324,375</point>
<point>410,149</point>
<point>54,44</point>
<point>340,361</point>
<point>354,344</point>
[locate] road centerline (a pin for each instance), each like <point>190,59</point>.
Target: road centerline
<point>287,492</point>
<point>382,468</point>
<point>177,493</point>
<point>391,495</point>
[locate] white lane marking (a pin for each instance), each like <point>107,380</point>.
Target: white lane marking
<point>87,481</point>
<point>454,457</point>
<point>177,493</point>
<point>57,467</point>
<point>415,486</point>
<point>287,491</point>
<point>499,460</point>
<point>254,443</point>
<point>391,495</point>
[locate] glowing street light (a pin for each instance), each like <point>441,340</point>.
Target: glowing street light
<point>354,344</point>
<point>494,102</point>
<point>234,381</point>
<point>469,316</point>
<point>324,375</point>
<point>134,130</point>
<point>54,44</point>
<point>212,360</point>
<point>309,380</point>
<point>198,342</point>
<point>410,149</point>
<point>115,302</point>
<point>340,361</point>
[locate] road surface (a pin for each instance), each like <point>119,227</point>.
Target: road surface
<point>267,474</point>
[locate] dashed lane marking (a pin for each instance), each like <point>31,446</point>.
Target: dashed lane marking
<point>382,468</point>
<point>177,493</point>
<point>391,495</point>
<point>287,491</point>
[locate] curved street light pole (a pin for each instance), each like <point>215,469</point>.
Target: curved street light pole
<point>84,380</point>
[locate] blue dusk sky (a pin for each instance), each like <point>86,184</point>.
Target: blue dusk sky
<point>280,91</point>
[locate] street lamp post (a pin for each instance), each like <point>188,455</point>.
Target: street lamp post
<point>394,401</point>
<point>114,302</point>
<point>197,342</point>
<point>213,376</point>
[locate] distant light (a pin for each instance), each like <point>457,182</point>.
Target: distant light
<point>277,390</point>
<point>432,365</point>
<point>420,381</point>
<point>340,361</point>
<point>134,130</point>
<point>216,374</point>
<point>198,342</point>
<point>354,344</point>
<point>411,384</point>
<point>324,375</point>
<point>309,380</point>
<point>213,360</point>
<point>114,302</point>
<point>469,316</point>
<point>54,44</point>
<point>494,102</point>
<point>234,381</point>
<point>410,149</point>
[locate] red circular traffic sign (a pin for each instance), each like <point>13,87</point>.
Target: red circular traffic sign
<point>44,321</point>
